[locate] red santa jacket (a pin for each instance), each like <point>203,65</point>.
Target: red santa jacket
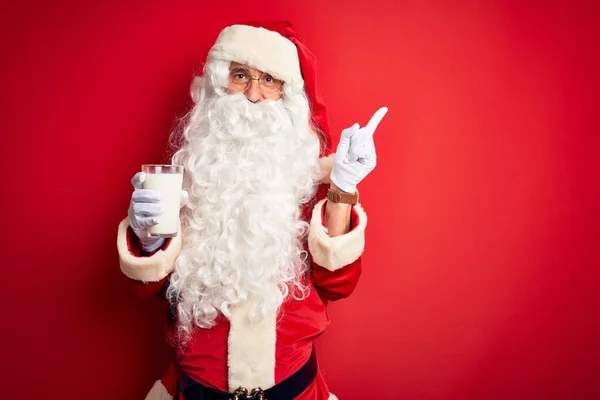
<point>237,353</point>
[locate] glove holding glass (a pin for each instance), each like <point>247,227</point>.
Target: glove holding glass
<point>155,204</point>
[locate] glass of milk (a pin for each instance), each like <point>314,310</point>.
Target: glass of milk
<point>168,179</point>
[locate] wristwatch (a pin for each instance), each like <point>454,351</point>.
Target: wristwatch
<point>341,197</point>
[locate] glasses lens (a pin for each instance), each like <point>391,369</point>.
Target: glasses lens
<point>239,80</point>
<point>270,84</point>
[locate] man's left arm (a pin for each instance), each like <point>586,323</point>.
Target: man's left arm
<point>336,258</point>
<point>337,230</point>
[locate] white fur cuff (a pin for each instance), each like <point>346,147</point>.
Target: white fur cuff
<point>260,48</point>
<point>146,269</point>
<point>336,252</point>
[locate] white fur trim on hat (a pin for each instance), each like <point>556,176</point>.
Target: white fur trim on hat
<point>259,48</point>
<point>336,252</point>
<point>146,269</point>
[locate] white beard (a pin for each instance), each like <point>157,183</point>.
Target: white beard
<point>248,170</point>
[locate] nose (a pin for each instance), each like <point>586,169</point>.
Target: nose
<point>253,92</point>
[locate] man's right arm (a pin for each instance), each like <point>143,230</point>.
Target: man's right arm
<point>149,272</point>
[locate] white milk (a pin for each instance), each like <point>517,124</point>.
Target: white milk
<point>170,187</point>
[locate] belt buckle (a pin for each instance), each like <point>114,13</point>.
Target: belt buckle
<point>241,393</point>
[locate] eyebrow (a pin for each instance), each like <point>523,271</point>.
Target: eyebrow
<point>239,69</point>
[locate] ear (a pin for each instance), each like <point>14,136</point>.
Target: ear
<point>326,167</point>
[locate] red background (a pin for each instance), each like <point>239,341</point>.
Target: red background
<point>481,273</point>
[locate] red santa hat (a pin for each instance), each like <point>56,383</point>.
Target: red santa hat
<point>275,47</point>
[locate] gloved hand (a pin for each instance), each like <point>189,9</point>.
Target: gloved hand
<point>144,209</point>
<point>355,155</point>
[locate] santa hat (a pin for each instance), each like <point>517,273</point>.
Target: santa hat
<point>275,48</point>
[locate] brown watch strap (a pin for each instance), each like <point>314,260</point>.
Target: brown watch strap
<point>340,197</point>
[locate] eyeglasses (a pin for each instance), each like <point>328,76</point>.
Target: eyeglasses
<point>239,80</point>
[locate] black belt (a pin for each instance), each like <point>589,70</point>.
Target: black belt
<point>288,389</point>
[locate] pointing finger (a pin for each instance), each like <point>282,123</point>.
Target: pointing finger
<point>376,118</point>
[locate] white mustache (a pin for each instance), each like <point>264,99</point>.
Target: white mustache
<point>241,119</point>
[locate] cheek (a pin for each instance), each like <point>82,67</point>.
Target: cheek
<point>272,96</point>
<point>232,90</point>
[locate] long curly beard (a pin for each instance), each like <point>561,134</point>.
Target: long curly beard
<point>248,170</point>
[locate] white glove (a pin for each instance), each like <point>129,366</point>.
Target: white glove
<point>355,155</point>
<point>144,209</point>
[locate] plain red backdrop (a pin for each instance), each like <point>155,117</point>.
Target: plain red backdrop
<point>481,273</point>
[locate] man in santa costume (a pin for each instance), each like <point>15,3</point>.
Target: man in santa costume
<point>271,229</point>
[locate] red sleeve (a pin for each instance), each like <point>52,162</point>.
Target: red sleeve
<point>339,284</point>
<point>144,289</point>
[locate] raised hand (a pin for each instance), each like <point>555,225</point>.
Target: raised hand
<point>355,156</point>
